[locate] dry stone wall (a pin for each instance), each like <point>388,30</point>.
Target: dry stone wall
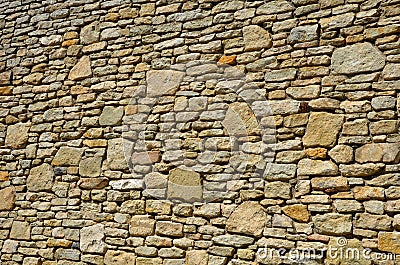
<point>199,132</point>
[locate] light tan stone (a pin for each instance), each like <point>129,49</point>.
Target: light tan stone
<point>81,70</point>
<point>342,154</point>
<point>184,185</point>
<point>256,38</point>
<point>40,178</point>
<point>323,129</point>
<point>378,152</point>
<point>17,135</point>
<point>20,230</point>
<point>249,218</point>
<point>67,156</point>
<point>197,257</point>
<point>141,225</point>
<point>309,167</point>
<point>116,257</point>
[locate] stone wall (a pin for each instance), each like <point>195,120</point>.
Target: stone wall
<point>198,132</point>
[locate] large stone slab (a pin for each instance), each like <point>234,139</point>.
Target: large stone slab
<point>297,212</point>
<point>197,257</point>
<point>249,218</point>
<point>163,82</point>
<point>303,34</point>
<point>233,240</point>
<point>378,152</point>
<point>90,33</point>
<point>20,230</point>
<point>81,70</point>
<point>40,178</point>
<point>92,239</point>
<point>184,185</point>
<point>141,225</point>
<point>111,115</point>
<point>322,129</point>
<point>17,135</point>
<point>275,7</point>
<point>90,167</point>
<point>333,224</point>
<point>7,198</point>
<point>310,167</point>
<point>357,58</point>
<point>67,156</point>
<point>256,38</point>
<point>117,257</point>
<point>115,154</point>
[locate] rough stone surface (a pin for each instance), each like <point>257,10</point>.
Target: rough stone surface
<point>333,224</point>
<point>92,239</point>
<point>111,116</point>
<point>67,156</point>
<point>17,135</point>
<point>198,132</point>
<point>249,218</point>
<point>316,167</point>
<point>256,38</point>
<point>81,70</point>
<point>297,212</point>
<point>7,198</point>
<point>389,242</point>
<point>322,129</point>
<point>357,58</point>
<point>40,178</point>
<point>184,185</point>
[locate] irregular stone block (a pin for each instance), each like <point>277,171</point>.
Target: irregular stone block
<point>40,178</point>
<point>322,129</point>
<point>389,242</point>
<point>333,224</point>
<point>90,167</point>
<point>342,154</point>
<point>309,167</point>
<point>7,198</point>
<point>373,221</point>
<point>93,183</point>
<point>280,75</point>
<point>165,228</point>
<point>184,185</point>
<point>90,33</point>
<point>303,34</point>
<point>141,225</point>
<point>92,239</point>
<point>275,7</point>
<point>81,70</point>
<point>297,212</point>
<point>127,184</point>
<point>117,257</point>
<point>67,156</point>
<point>133,207</point>
<point>360,170</point>
<point>233,240</point>
<point>163,82</point>
<point>17,135</point>
<point>357,58</point>
<point>249,218</point>
<point>20,230</point>
<point>330,184</point>
<point>111,116</point>
<point>116,154</point>
<point>277,189</point>
<point>256,38</point>
<point>280,171</point>
<point>197,257</point>
<point>378,152</point>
